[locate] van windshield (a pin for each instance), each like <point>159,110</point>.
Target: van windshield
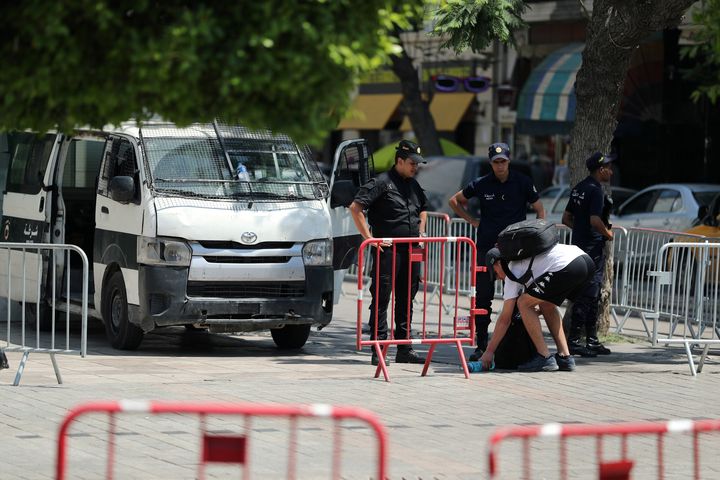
<point>229,162</point>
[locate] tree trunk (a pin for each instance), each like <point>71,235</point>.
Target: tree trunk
<point>616,28</point>
<point>415,107</point>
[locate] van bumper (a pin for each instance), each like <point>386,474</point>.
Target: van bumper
<point>164,301</point>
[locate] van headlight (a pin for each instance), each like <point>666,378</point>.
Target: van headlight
<point>163,251</point>
<point>317,253</point>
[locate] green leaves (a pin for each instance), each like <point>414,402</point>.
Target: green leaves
<point>279,64</point>
<point>705,52</point>
<point>474,24</point>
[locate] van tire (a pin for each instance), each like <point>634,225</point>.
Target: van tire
<point>291,337</point>
<point>122,334</point>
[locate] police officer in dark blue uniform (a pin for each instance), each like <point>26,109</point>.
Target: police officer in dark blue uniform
<point>503,197</point>
<point>396,207</point>
<point>587,213</point>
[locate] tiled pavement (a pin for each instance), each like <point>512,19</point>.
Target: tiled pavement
<point>438,425</point>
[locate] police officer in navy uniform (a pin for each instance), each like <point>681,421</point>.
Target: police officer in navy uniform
<point>396,207</point>
<point>503,198</point>
<point>587,214</point>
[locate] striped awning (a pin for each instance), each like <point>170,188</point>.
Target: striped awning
<point>546,105</point>
<point>371,111</point>
<point>447,109</point>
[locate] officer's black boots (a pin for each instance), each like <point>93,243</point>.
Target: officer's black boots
<point>3,360</point>
<point>594,345</point>
<point>577,348</point>
<point>574,345</point>
<point>408,355</point>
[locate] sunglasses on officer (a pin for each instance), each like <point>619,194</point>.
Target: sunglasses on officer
<point>449,83</point>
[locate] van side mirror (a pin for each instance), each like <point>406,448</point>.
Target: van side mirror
<point>122,189</point>
<point>343,193</point>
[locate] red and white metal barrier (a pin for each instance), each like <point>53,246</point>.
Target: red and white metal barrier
<point>462,328</point>
<point>224,447</point>
<point>642,450</point>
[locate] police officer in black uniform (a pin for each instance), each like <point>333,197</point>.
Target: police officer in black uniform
<point>396,207</point>
<point>503,197</point>
<point>587,213</point>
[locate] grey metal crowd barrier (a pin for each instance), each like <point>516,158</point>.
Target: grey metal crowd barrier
<point>687,295</point>
<point>437,225</point>
<point>459,252</point>
<point>35,265</point>
<point>635,256</point>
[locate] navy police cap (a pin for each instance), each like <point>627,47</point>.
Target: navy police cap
<point>598,159</point>
<point>499,150</point>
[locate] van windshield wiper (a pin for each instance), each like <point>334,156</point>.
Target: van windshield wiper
<point>180,191</point>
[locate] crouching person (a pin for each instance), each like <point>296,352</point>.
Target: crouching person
<point>559,273</point>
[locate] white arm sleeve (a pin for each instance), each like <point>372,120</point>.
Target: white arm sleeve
<point>511,289</point>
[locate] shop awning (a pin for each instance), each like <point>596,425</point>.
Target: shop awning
<point>447,110</point>
<point>370,111</point>
<point>546,105</point>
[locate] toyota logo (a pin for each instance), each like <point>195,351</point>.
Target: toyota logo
<point>248,237</point>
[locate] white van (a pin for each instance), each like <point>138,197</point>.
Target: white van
<point>210,225</point>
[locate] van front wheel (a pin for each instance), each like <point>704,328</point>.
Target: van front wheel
<point>291,336</point>
<point>122,334</point>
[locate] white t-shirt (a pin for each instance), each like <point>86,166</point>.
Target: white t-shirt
<point>553,260</point>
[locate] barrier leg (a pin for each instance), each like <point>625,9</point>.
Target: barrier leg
<point>644,323</point>
<point>428,359</point>
<point>55,367</point>
<point>691,362</point>
<point>21,368</point>
<point>381,361</point>
<point>702,358</point>
<point>619,324</point>
<point>463,362</point>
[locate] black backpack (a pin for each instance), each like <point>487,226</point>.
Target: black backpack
<point>516,347</point>
<point>525,239</point>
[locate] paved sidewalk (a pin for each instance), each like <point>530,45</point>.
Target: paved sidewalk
<point>438,425</point>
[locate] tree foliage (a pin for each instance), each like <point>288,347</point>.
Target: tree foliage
<point>279,64</point>
<point>706,52</point>
<point>474,24</point>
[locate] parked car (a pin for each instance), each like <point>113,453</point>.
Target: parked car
<point>442,177</point>
<point>708,224</point>
<point>554,200</point>
<point>666,206</point>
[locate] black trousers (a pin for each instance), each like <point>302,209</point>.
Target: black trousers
<point>484,294</point>
<point>585,309</point>
<point>382,284</point>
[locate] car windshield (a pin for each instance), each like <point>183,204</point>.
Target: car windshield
<point>227,162</point>
<point>441,179</point>
<point>619,196</point>
<point>705,198</point>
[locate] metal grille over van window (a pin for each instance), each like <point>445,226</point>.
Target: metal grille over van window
<point>29,156</point>
<point>222,161</point>
<point>120,161</point>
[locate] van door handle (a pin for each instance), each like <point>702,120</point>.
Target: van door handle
<point>104,210</point>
